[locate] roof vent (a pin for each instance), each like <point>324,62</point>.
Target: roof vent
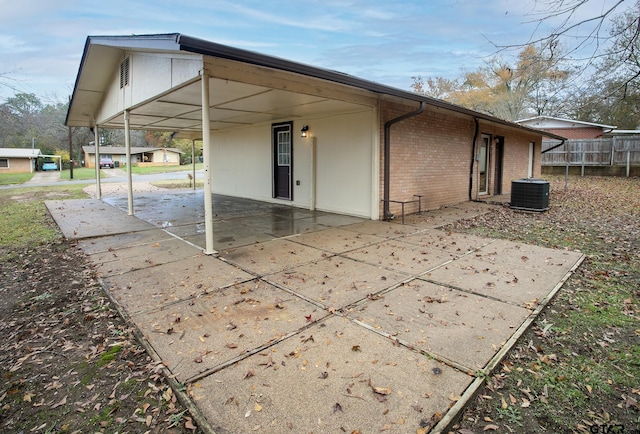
<point>124,73</point>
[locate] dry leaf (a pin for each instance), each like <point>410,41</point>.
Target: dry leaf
<point>382,390</point>
<point>61,403</point>
<point>257,407</point>
<point>189,424</point>
<point>491,428</point>
<point>504,403</point>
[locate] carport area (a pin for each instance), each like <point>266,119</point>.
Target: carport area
<point>308,321</point>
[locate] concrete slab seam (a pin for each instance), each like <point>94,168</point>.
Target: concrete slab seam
<point>450,418</point>
<point>215,253</point>
<point>192,297</point>
<point>468,291</point>
<point>397,341</point>
<point>176,387</point>
<point>294,293</point>
<point>257,350</point>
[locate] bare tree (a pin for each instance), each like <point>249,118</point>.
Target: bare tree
<point>586,37</point>
<point>531,84</point>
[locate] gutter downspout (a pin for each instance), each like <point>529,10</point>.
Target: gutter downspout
<point>387,154</point>
<point>473,158</point>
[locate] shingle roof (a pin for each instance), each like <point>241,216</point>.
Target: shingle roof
<point>19,153</point>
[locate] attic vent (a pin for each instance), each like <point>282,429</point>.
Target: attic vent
<point>124,73</point>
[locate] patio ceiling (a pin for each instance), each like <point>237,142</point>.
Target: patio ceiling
<point>233,104</point>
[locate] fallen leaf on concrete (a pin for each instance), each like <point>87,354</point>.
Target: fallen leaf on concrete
<point>382,390</point>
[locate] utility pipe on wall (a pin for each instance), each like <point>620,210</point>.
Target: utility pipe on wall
<point>387,154</point>
<point>473,158</point>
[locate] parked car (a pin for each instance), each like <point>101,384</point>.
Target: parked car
<point>49,165</point>
<point>106,162</point>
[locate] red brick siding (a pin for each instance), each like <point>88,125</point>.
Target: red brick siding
<point>431,155</point>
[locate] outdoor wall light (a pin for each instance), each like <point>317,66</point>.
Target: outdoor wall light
<point>304,131</point>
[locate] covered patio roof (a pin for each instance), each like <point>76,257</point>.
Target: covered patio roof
<point>237,97</point>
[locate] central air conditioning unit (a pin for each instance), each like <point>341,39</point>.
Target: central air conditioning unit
<point>530,194</point>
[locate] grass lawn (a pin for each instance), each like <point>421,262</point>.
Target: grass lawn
<point>15,178</point>
<point>25,219</point>
<point>577,369</point>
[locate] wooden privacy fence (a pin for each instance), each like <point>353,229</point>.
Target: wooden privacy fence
<point>613,151</point>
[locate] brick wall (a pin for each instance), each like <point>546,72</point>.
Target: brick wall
<point>431,156</point>
<point>17,165</point>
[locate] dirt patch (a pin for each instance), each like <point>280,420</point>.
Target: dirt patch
<point>69,362</point>
<point>120,189</point>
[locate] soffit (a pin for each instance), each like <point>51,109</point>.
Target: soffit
<point>232,105</point>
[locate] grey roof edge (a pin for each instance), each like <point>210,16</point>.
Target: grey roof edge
<point>575,121</point>
<point>182,42</point>
<point>91,149</point>
<point>213,49</point>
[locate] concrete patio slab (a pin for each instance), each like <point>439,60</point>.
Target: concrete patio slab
<point>336,282</point>
<point>335,377</point>
<point>87,218</point>
<point>271,256</point>
<point>451,242</point>
<point>228,234</point>
<point>336,240</point>
<point>119,261</point>
<point>144,290</point>
<point>356,325</point>
<point>444,216</point>
<point>120,241</point>
<point>447,323</point>
<point>522,286</point>
<point>398,255</point>
<point>206,332</point>
<point>528,256</point>
<point>382,229</point>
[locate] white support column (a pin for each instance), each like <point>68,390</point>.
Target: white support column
<point>193,162</point>
<point>127,145</point>
<point>312,193</point>
<point>206,156</point>
<point>97,161</point>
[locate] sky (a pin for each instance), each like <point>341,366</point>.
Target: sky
<point>41,41</point>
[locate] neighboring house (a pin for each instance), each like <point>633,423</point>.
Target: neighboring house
<point>18,160</point>
<point>290,133</point>
<point>569,128</point>
<point>139,155</point>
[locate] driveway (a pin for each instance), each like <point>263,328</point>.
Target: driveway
<point>311,321</point>
<point>44,177</point>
